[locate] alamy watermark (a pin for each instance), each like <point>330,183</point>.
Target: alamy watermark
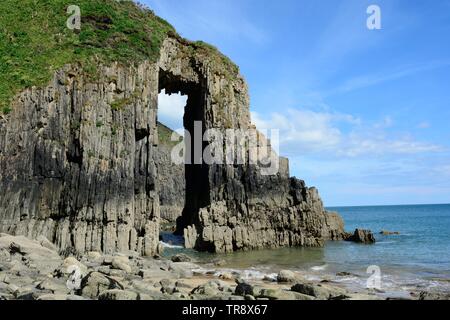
<point>374,19</point>
<point>74,20</point>
<point>374,281</point>
<point>228,147</point>
<point>75,276</point>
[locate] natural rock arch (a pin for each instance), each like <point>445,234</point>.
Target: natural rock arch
<point>77,163</point>
<point>235,207</point>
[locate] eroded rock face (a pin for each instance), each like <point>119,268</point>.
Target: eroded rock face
<point>79,164</point>
<point>171,182</point>
<point>76,161</point>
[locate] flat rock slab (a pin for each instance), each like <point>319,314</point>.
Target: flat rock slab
<point>42,258</point>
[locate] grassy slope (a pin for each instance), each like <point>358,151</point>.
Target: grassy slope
<point>165,136</point>
<point>35,42</point>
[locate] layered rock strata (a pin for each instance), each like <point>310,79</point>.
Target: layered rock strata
<point>78,163</point>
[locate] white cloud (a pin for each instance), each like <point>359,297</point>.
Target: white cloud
<point>171,109</point>
<point>360,145</point>
<point>335,134</point>
<point>304,129</point>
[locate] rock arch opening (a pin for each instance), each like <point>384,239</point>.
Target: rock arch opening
<point>195,172</point>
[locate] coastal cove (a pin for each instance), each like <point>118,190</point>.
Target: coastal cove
<point>418,257</point>
<point>139,162</point>
<point>36,270</point>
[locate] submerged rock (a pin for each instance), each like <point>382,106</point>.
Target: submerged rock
<point>181,257</point>
<point>389,233</point>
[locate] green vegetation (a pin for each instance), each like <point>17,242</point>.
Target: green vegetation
<point>35,41</point>
<point>6,110</point>
<point>226,66</point>
<point>120,104</point>
<point>165,136</point>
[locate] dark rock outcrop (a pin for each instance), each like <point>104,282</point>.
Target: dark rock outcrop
<point>361,236</point>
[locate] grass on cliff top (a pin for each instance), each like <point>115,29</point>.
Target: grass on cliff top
<point>35,41</point>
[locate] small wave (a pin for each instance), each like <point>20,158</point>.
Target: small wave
<point>311,277</point>
<point>347,279</point>
<point>386,242</point>
<point>171,246</point>
<point>251,274</point>
<point>320,268</point>
<point>247,274</point>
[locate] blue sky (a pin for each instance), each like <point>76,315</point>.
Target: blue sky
<point>364,114</point>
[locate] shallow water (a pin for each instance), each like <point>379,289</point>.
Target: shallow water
<point>417,258</point>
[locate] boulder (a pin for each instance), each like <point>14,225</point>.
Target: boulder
<point>69,263</point>
<point>95,283</point>
<point>181,258</point>
<point>95,256</point>
<point>211,288</point>
<point>116,294</point>
<point>319,291</point>
<point>167,285</point>
<point>154,274</point>
<point>4,254</point>
<point>121,263</point>
<point>182,284</point>
<point>244,289</point>
<point>53,285</point>
<point>279,294</point>
<point>4,278</point>
<point>182,269</point>
<point>59,297</point>
<point>286,276</point>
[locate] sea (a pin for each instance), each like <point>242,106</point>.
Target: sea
<point>416,259</point>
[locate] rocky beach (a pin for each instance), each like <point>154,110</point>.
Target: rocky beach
<point>34,270</point>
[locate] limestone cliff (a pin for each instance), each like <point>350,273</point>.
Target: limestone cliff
<point>79,162</point>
